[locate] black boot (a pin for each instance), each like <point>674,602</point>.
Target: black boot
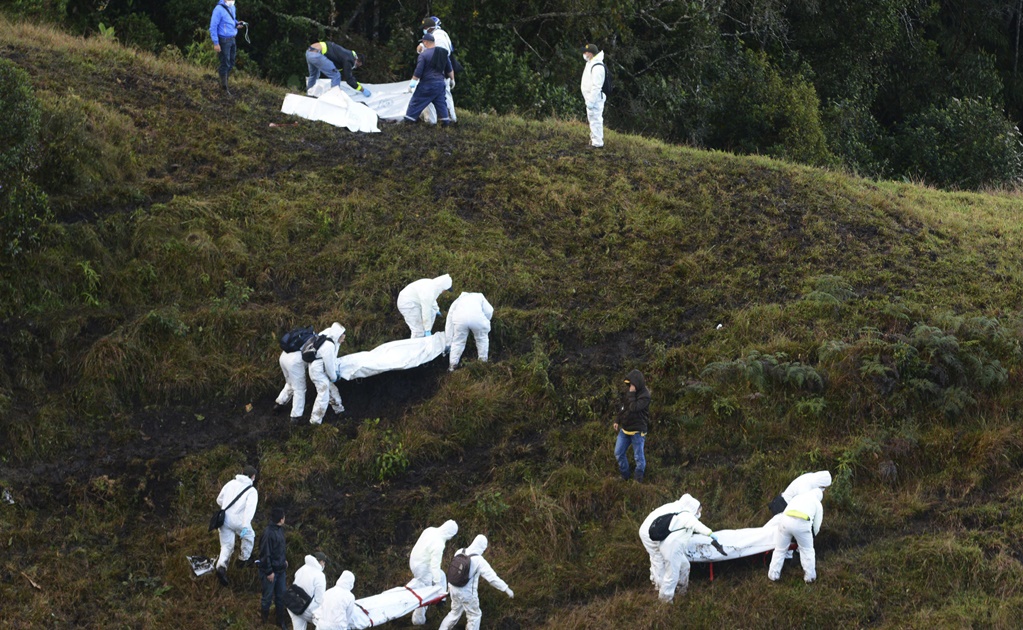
<point>266,615</point>
<point>223,84</point>
<point>222,576</point>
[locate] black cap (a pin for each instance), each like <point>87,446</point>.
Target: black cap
<point>429,38</point>
<point>591,48</point>
<point>322,557</point>
<point>430,22</point>
<point>249,471</point>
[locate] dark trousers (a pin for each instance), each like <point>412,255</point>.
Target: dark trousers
<point>426,93</point>
<point>228,53</point>
<point>275,591</point>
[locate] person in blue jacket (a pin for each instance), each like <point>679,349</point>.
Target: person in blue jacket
<point>428,85</point>
<point>223,31</point>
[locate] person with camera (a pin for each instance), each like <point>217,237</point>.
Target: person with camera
<point>224,27</point>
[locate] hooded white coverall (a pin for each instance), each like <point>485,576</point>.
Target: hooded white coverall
<point>805,483</point>
<point>466,599</point>
<point>669,565</point>
<point>470,312</point>
<point>802,521</point>
<point>294,369</point>
<point>310,577</point>
<point>323,373</point>
<point>425,559</point>
<point>338,605</point>
<point>417,303</point>
<point>592,85</point>
<point>237,520</point>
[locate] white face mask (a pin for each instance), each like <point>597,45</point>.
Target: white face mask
<point>229,3</point>
<point>585,58</point>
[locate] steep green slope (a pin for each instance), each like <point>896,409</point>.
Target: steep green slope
<point>871,329</point>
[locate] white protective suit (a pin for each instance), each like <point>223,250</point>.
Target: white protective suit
<point>592,85</point>
<point>238,520</point>
<point>802,521</point>
<point>310,577</point>
<point>470,312</point>
<point>323,373</point>
<point>466,599</point>
<point>294,369</point>
<point>669,565</point>
<point>417,303</point>
<point>338,607</point>
<point>425,559</point>
<point>806,483</point>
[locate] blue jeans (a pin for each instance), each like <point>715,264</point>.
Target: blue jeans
<point>621,453</point>
<point>274,591</point>
<point>318,63</point>
<point>228,53</point>
<point>433,92</point>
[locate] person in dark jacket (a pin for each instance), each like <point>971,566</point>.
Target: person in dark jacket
<point>632,425</point>
<point>325,58</point>
<point>273,566</point>
<point>428,85</point>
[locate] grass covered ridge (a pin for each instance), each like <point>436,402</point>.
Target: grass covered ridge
<point>868,328</point>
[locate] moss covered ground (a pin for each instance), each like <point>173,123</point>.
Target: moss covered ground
<point>788,319</point>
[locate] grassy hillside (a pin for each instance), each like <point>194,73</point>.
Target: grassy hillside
<point>872,329</point>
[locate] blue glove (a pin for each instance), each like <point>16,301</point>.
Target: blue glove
<point>412,85</point>
<point>714,537</point>
<point>245,532</point>
<point>366,92</point>
<point>428,333</point>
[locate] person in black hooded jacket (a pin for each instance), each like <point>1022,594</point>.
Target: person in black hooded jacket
<point>632,425</point>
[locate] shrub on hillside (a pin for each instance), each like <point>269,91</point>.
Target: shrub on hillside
<point>757,110</point>
<point>87,150</point>
<point>964,143</point>
<point>136,29</point>
<point>23,207</point>
<point>856,138</point>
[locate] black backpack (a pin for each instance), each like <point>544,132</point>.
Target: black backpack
<point>312,346</point>
<point>293,340</point>
<point>608,86</point>
<point>296,599</point>
<point>458,570</point>
<point>661,527</point>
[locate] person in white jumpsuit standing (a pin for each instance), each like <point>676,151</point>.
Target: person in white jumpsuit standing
<point>323,374</point>
<point>466,599</point>
<point>294,369</point>
<point>312,580</point>
<point>237,520</point>
<point>470,312</point>
<point>338,607</point>
<point>801,521</point>
<point>805,483</point>
<point>425,559</point>
<point>669,565</point>
<point>592,86</point>
<point>417,303</point>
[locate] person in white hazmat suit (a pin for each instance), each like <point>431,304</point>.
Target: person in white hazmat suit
<point>805,483</point>
<point>425,559</point>
<point>312,580</point>
<point>237,519</point>
<point>338,605</point>
<point>323,374</point>
<point>801,521</point>
<point>592,87</point>
<point>294,369</point>
<point>470,312</point>
<point>417,303</point>
<point>466,599</point>
<point>669,565</point>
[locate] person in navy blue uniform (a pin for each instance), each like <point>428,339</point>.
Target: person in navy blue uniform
<point>429,86</point>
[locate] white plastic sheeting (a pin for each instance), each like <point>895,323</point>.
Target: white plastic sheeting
<point>334,107</point>
<point>396,602</point>
<point>388,100</point>
<point>394,355</point>
<point>737,543</point>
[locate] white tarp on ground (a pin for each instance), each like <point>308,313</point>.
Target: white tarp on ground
<point>389,100</point>
<point>737,543</point>
<point>334,107</point>
<point>396,602</point>
<point>394,355</point>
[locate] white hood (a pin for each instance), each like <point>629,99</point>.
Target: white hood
<point>311,561</point>
<point>334,332</point>
<point>441,284</point>
<point>689,504</point>
<point>449,529</point>
<point>478,546</point>
<point>347,580</point>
